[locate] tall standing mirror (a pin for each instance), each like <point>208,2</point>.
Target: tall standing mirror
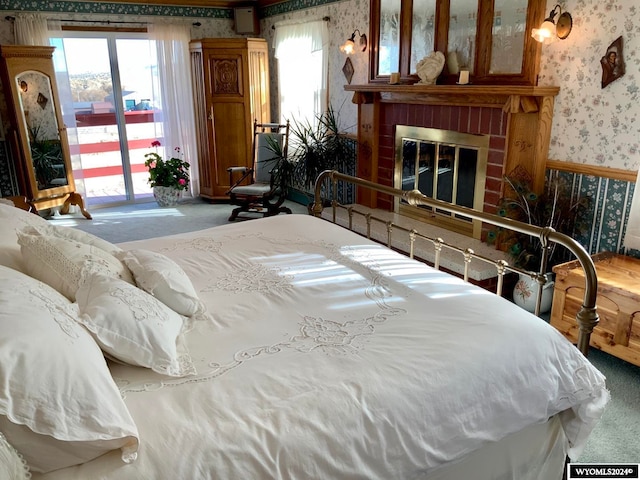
<point>37,134</point>
<point>43,132</point>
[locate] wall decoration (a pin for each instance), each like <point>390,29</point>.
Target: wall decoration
<point>348,70</point>
<point>612,63</point>
<point>42,101</point>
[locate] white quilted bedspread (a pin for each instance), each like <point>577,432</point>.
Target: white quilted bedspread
<point>325,355</point>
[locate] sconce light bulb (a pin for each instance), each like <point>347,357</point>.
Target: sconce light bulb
<point>348,47</point>
<point>546,33</point>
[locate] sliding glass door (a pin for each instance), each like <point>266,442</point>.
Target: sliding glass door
<point>111,80</point>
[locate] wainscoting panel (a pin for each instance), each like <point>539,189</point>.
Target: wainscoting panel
<point>609,209</point>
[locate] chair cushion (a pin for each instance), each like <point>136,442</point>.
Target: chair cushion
<point>256,189</point>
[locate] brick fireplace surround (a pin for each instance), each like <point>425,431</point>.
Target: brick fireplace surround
<point>518,119</point>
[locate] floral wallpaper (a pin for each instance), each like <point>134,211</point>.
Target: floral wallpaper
<point>8,185</point>
<point>111,9</point>
<point>594,125</point>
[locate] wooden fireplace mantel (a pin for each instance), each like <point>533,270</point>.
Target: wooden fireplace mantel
<point>511,97</point>
<point>528,111</point>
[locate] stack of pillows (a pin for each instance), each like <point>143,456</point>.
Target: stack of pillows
<point>68,300</point>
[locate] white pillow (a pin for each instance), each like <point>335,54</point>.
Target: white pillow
<point>59,405</point>
<point>164,279</point>
<point>13,219</point>
<point>59,261</point>
<point>132,326</point>
<point>12,465</point>
<point>49,230</point>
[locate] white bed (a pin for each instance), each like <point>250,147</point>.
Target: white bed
<point>321,354</point>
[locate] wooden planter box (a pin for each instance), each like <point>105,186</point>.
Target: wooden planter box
<point>618,304</point>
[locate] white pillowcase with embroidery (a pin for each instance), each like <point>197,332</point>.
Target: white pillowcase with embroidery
<point>13,219</point>
<point>59,261</point>
<point>59,405</point>
<point>12,465</point>
<point>164,279</point>
<point>132,326</point>
<point>68,233</point>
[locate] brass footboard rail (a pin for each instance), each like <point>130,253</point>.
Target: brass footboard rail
<point>587,316</point>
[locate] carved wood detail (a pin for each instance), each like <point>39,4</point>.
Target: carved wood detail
<point>226,77</point>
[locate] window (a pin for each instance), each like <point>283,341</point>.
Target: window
<point>111,97</point>
<point>301,51</point>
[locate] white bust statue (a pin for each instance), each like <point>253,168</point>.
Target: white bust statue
<point>430,67</point>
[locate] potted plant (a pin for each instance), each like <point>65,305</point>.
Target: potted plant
<point>555,207</point>
<point>168,178</point>
<point>47,158</point>
<point>318,146</point>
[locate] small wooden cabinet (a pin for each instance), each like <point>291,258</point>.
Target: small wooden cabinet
<point>231,88</point>
<point>37,135</point>
<point>618,304</point>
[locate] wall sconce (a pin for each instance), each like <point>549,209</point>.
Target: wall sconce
<point>349,46</point>
<point>550,29</point>
<point>24,86</point>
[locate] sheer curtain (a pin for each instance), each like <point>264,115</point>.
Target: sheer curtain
<point>632,236</point>
<point>301,51</point>
<point>30,29</point>
<point>178,119</point>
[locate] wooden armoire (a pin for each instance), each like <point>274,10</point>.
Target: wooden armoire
<point>231,89</point>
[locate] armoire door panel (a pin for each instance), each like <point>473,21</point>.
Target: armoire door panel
<point>229,140</point>
<point>226,75</point>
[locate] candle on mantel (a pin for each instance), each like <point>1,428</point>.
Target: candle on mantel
<point>464,77</point>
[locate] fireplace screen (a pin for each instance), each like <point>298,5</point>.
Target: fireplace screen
<point>445,165</point>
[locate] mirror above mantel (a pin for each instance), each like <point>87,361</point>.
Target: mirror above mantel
<point>488,38</point>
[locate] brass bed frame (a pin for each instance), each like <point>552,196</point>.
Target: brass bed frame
<point>587,316</point>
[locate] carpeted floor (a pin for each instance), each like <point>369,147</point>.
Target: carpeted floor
<point>146,220</point>
<point>616,438</point>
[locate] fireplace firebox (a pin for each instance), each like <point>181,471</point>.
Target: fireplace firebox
<point>443,164</point>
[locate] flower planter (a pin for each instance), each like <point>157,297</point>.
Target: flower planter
<point>525,293</point>
<point>167,196</point>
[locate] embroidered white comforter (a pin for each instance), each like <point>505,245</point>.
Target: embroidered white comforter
<point>325,355</point>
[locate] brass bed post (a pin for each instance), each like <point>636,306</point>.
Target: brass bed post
<point>587,317</point>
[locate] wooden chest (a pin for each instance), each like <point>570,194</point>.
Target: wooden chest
<point>618,304</point>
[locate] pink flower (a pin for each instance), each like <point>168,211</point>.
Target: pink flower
<point>182,181</point>
<point>156,143</point>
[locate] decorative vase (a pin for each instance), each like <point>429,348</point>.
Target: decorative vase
<point>167,196</point>
<point>525,293</point>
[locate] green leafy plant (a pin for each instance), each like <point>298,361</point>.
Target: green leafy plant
<point>167,173</point>
<point>318,146</point>
<point>46,156</point>
<point>282,168</point>
<point>555,208</point>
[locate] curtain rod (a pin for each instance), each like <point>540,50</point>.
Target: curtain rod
<point>324,19</point>
<point>107,22</point>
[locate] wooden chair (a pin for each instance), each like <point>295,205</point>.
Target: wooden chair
<point>265,193</point>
